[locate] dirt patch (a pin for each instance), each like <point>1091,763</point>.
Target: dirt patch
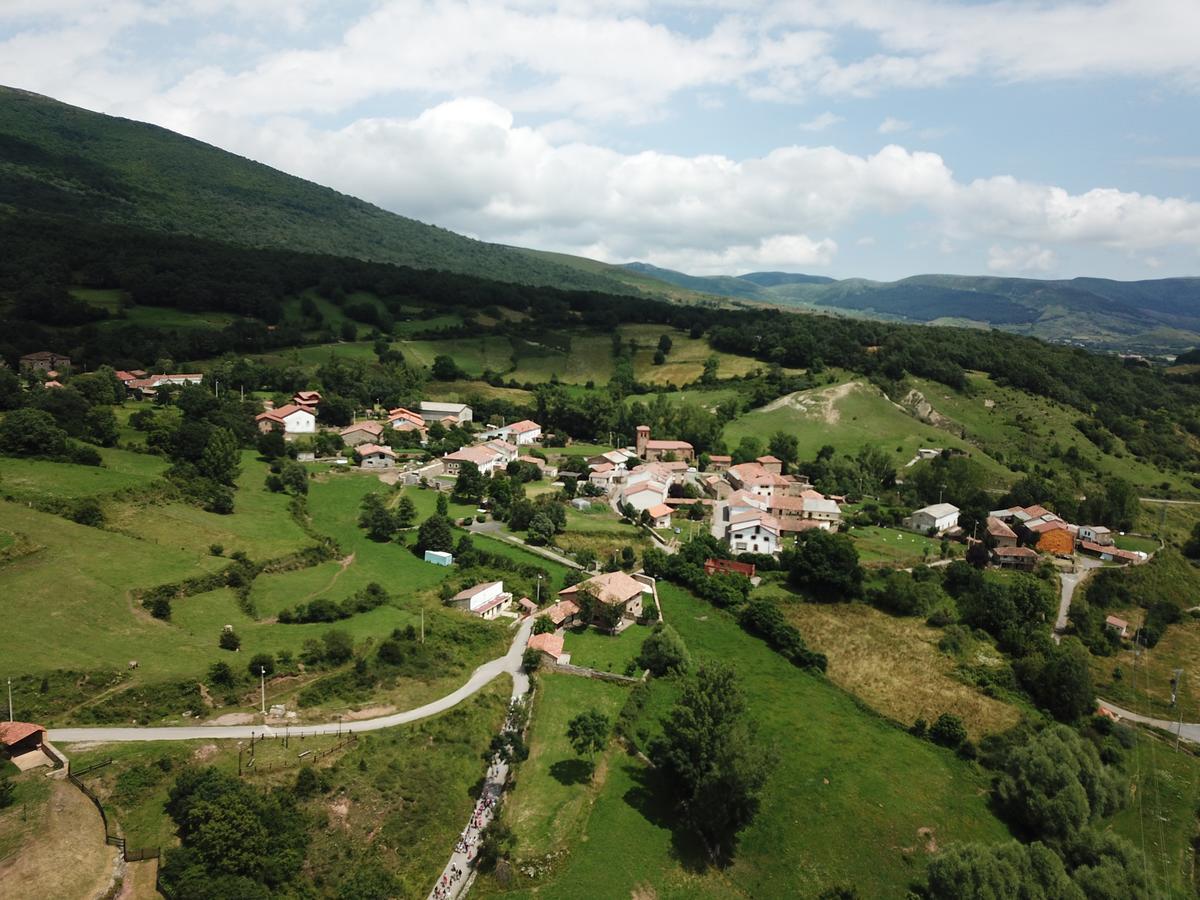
<point>926,834</point>
<point>235,719</point>
<point>371,712</point>
<point>68,858</point>
<point>339,810</point>
<point>206,696</point>
<point>205,752</point>
<point>915,404</point>
<point>643,892</point>
<point>821,402</point>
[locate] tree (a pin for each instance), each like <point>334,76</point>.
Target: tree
<point>470,484</point>
<point>445,368</point>
<point>979,871</point>
<point>664,651</point>
<point>711,365</point>
<point>8,793</point>
<point>711,758</point>
<point>531,659</point>
<point>261,664</point>
<point>588,733</point>
<point>664,344</point>
<point>608,615</point>
<point>220,674</point>
<point>544,625</point>
<point>435,534</point>
<point>541,530</point>
<point>406,512</point>
<point>1055,784</point>
<point>1123,505</point>
<point>785,446</point>
<point>339,646</point>
<point>443,504</point>
<point>376,519</point>
<point>31,432</point>
<point>826,565</point>
<point>221,459</point>
<point>229,640</point>
<point>1061,680</point>
<point>748,449</point>
<point>294,478</point>
<point>271,444</point>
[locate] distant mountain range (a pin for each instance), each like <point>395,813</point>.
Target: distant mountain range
<point>1145,316</point>
<point>62,161</point>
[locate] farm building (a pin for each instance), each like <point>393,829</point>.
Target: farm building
<point>459,412</point>
<point>614,589</point>
<point>361,433</point>
<point>1097,534</point>
<point>728,566</point>
<point>938,517</point>
<point>1015,558</point>
<point>439,557</point>
<point>1000,534</point>
<point>486,600</point>
<point>374,456</point>
<point>564,612</point>
<point>44,361</point>
<point>1120,626</point>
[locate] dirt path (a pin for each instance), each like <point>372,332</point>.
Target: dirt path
<point>345,562</point>
<point>68,859</point>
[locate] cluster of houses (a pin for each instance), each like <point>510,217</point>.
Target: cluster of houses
<point>489,600</point>
<point>138,383</point>
<point>1018,536</point>
<point>757,503</point>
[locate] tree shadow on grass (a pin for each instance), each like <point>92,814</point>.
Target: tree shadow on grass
<point>571,771</point>
<point>651,798</point>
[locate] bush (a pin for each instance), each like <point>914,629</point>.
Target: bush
<point>261,664</point>
<point>664,651</point>
<point>229,640</point>
<point>948,731</point>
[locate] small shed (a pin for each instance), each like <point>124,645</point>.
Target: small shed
<point>1120,626</point>
<point>439,557</point>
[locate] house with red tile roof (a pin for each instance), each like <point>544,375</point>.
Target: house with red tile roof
<point>753,532</point>
<point>1120,626</point>
<point>660,516</point>
<point>309,399</point>
<point>1015,558</point>
<point>614,589</point>
<point>361,433</point>
<point>549,644</point>
<point>375,456</point>
<point>485,458</point>
<point>289,418</point>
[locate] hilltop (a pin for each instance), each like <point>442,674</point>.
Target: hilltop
<point>1148,316</point>
<point>61,160</point>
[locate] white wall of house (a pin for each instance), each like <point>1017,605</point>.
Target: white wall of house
<point>300,421</point>
<point>751,537</point>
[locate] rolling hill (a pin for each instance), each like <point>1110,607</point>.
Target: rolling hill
<point>63,161</point>
<point>1151,316</point>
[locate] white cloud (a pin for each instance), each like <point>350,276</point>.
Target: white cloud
<point>467,165</point>
<point>1020,260</point>
<point>1171,162</point>
<point>893,126</point>
<point>821,122</point>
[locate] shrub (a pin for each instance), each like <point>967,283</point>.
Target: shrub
<point>229,640</point>
<point>948,731</point>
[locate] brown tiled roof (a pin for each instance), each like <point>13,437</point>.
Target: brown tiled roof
<point>611,587</point>
<point>547,642</point>
<point>1016,552</point>
<point>371,449</point>
<point>14,732</point>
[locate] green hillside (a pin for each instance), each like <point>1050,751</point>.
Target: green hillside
<point>62,160</point>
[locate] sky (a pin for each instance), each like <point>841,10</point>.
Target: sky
<point>850,138</point>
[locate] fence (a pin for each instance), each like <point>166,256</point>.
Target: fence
<point>584,672</point>
<point>252,768</point>
<point>135,855</point>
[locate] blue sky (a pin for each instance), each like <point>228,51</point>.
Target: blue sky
<point>872,138</point>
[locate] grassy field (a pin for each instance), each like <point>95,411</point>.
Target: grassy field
<point>553,793</point>
<point>844,804</point>
<point>1015,421</point>
<point>396,798</point>
<point>473,355</point>
<point>878,546</point>
<point>850,415</point>
<point>1144,684</point>
<point>1136,542</point>
<point>608,653</point>
<point>36,479</point>
<point>893,664</point>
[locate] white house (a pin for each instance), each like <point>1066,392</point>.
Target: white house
<point>401,419</point>
<point>460,412</point>
<point>660,516</point>
<point>753,532</point>
<point>645,495</point>
<point>520,433</point>
<point>374,456</point>
<point>1097,534</point>
<point>484,457</point>
<point>485,600</point>
<point>939,517</point>
<point>507,452</point>
<point>291,418</point>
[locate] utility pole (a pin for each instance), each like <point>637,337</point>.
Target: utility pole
<point>262,676</point>
<point>10,715</point>
<point>539,590</point>
<point>422,625</point>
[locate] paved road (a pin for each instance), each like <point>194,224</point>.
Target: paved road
<point>1189,731</point>
<point>1070,581</point>
<point>510,662</point>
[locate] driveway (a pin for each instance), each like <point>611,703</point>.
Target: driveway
<point>1070,580</point>
<point>510,662</point>
<point>1189,731</point>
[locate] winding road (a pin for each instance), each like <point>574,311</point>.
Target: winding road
<point>509,663</point>
<point>1189,731</point>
